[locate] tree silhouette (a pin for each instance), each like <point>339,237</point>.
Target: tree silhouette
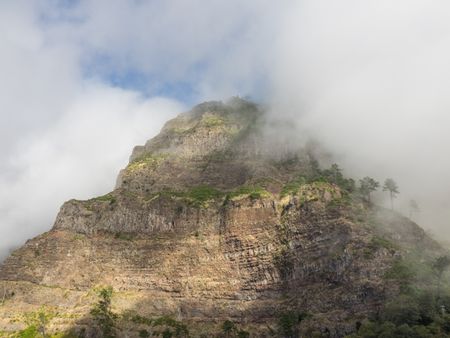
<point>103,314</point>
<point>336,173</point>
<point>440,265</point>
<point>413,208</point>
<point>391,186</point>
<point>367,185</point>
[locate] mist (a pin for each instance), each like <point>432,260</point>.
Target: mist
<point>83,82</point>
<point>369,81</point>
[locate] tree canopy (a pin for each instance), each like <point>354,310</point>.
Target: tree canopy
<point>391,186</point>
<point>368,185</point>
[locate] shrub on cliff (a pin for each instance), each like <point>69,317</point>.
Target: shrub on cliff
<point>230,330</point>
<point>103,315</point>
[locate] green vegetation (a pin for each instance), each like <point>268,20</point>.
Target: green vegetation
<point>102,313</point>
<point>144,333</point>
<point>148,161</point>
<point>377,243</point>
<point>289,323</point>
<point>30,332</point>
<point>391,186</point>
<point>212,121</point>
<point>254,192</point>
<point>401,271</point>
<point>416,315</point>
<point>440,265</point>
<point>234,118</point>
<point>200,196</point>
<point>231,330</point>
<point>332,175</point>
<point>164,326</point>
<point>137,319</point>
<point>293,186</point>
<point>37,323</point>
<point>421,310</point>
<point>367,186</point>
<point>380,242</point>
<point>168,327</point>
<point>105,198</point>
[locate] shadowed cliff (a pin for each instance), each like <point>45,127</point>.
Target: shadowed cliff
<point>214,221</point>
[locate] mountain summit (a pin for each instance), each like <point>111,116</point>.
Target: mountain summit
<point>215,221</point>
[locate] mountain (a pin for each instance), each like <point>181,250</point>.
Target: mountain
<point>218,220</point>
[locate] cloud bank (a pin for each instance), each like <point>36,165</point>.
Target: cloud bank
<point>84,81</point>
<point>370,81</point>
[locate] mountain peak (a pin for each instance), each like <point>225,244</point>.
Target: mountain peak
<point>211,221</point>
<point>216,144</point>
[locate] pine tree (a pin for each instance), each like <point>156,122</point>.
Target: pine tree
<point>103,314</point>
<point>367,186</point>
<point>391,186</point>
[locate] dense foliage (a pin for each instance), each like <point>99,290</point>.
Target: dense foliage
<point>421,310</point>
<point>102,313</point>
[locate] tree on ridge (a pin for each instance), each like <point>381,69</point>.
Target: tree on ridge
<point>391,186</point>
<point>368,185</point>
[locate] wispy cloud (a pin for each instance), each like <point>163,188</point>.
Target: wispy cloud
<point>83,81</point>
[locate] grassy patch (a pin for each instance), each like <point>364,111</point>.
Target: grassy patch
<point>380,242</point>
<point>202,194</point>
<point>138,319</point>
<point>164,326</point>
<point>37,323</point>
<point>105,198</point>
<point>170,325</point>
<point>401,271</point>
<point>147,161</point>
<point>30,332</point>
<point>254,192</point>
<point>199,196</point>
<point>212,121</point>
<point>293,186</point>
<point>377,243</point>
<point>289,322</point>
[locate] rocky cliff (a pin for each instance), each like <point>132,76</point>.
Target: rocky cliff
<point>213,221</point>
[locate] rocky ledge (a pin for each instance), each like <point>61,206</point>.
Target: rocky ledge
<point>207,224</point>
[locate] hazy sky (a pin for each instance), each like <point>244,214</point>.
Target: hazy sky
<point>82,82</point>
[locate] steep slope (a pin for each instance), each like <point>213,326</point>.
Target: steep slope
<point>213,221</point>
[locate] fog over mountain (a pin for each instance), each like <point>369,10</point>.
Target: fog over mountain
<point>83,82</point>
<point>370,82</point>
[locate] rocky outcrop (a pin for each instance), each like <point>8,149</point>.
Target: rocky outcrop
<point>206,224</point>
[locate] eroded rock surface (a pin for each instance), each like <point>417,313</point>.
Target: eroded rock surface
<point>202,227</point>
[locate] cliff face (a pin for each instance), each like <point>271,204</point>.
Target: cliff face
<point>212,221</point>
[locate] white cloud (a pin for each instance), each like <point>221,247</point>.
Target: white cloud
<point>218,47</point>
<point>62,135</point>
<point>79,156</point>
<point>369,79</point>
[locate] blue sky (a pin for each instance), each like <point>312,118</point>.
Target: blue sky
<point>189,51</point>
